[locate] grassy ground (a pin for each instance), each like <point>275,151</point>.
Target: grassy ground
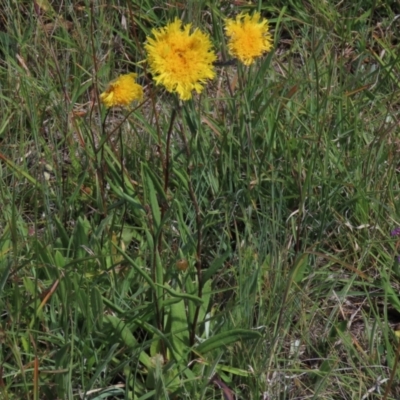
<point>281,190</point>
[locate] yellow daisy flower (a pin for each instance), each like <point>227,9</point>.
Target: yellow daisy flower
<point>180,60</point>
<point>248,37</point>
<point>122,91</point>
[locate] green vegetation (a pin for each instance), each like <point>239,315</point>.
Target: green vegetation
<point>276,188</point>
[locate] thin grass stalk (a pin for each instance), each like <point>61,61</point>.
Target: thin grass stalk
<point>99,172</point>
<point>163,209</point>
<point>167,156</point>
<point>392,372</point>
<point>195,203</point>
<point>35,368</point>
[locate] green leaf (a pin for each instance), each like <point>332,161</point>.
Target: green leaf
<point>233,370</point>
<point>159,277</point>
<point>184,230</point>
<point>138,268</point>
<point>215,266</point>
<point>97,306</point>
<point>392,295</point>
<point>59,260</point>
<point>81,236</point>
<point>127,338</point>
<point>20,171</point>
<point>153,187</point>
<point>5,263</point>
<point>182,178</point>
<point>191,288</point>
<point>61,232</point>
<point>226,338</point>
<point>206,297</point>
<point>102,366</point>
<point>137,208</point>
<point>179,295</point>
<point>177,327</point>
<point>300,268</point>
<point>326,366</point>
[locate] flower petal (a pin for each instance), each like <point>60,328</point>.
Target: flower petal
<point>248,37</point>
<point>179,60</point>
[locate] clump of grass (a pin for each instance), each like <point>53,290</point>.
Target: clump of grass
<point>238,244</point>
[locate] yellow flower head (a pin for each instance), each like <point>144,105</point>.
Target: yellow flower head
<point>180,60</point>
<point>122,91</point>
<point>248,37</point>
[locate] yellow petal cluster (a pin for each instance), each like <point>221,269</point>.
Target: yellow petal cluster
<point>122,91</point>
<point>248,37</point>
<point>179,60</point>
